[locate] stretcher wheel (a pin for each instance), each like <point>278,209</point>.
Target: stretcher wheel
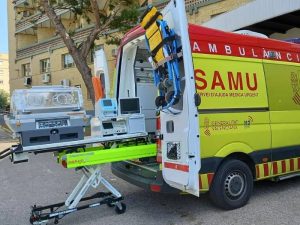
<point>167,83</point>
<point>120,208</point>
<point>34,215</point>
<point>160,101</point>
<point>161,87</point>
<point>32,219</point>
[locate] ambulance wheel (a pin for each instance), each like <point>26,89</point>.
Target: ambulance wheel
<point>232,185</point>
<point>120,208</point>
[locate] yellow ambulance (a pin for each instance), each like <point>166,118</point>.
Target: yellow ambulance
<point>246,127</point>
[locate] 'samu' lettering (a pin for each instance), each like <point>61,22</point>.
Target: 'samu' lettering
<point>254,86</point>
<point>234,81</point>
<point>203,82</point>
<point>217,81</point>
<point>235,84</point>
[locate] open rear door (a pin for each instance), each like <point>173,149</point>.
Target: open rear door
<point>180,125</point>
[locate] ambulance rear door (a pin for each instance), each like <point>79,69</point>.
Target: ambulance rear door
<point>180,124</point>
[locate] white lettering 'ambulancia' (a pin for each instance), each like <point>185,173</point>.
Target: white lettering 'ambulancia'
<point>243,51</point>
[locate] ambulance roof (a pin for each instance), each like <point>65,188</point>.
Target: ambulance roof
<point>208,35</point>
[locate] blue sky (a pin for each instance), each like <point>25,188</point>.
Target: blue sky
<point>3,27</point>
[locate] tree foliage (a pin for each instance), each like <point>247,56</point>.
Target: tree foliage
<point>105,15</point>
<point>3,100</point>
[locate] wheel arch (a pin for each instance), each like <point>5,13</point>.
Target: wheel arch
<point>239,151</point>
<point>246,158</point>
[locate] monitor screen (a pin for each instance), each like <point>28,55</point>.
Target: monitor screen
<point>107,126</point>
<point>130,105</point>
<point>107,102</point>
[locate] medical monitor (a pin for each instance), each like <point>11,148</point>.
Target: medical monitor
<point>130,106</point>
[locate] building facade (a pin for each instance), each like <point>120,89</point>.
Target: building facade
<point>4,72</point>
<point>39,57</point>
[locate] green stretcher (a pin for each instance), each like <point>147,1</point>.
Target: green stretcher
<point>97,155</point>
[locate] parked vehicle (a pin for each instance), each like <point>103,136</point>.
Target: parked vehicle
<point>247,126</point>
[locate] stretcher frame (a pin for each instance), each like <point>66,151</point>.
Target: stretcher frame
<point>88,160</point>
<point>92,177</point>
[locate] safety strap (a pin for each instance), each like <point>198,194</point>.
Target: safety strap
<point>162,45</point>
<point>166,59</point>
<point>149,17</point>
<point>166,40</point>
<point>150,22</point>
<point>154,37</point>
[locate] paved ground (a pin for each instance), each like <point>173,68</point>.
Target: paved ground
<point>42,181</point>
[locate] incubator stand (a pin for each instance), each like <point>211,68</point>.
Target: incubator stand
<point>47,115</point>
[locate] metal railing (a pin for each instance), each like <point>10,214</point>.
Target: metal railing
<point>190,5</point>
<point>36,19</point>
<point>50,44</point>
<point>18,2</point>
<point>56,42</point>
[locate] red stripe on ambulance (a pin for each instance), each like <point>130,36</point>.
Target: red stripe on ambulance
<point>175,166</point>
<point>292,167</point>
<point>210,178</point>
<point>283,165</point>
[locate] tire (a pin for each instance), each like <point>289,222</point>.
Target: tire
<point>120,208</point>
<point>232,185</point>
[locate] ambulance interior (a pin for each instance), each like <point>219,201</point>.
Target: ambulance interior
<point>136,80</point>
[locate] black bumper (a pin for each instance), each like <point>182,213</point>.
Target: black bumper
<point>148,179</point>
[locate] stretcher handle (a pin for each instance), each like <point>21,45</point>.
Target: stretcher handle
<point>6,152</point>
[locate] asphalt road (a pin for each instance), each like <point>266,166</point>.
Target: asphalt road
<point>42,181</point>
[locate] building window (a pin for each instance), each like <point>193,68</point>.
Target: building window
<point>68,61</point>
<point>1,72</point>
<point>26,70</point>
<point>45,65</point>
<point>1,81</point>
<point>1,62</point>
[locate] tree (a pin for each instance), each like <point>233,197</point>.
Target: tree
<point>3,100</point>
<point>120,15</point>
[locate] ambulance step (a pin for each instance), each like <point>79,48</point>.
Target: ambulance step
<point>284,177</point>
